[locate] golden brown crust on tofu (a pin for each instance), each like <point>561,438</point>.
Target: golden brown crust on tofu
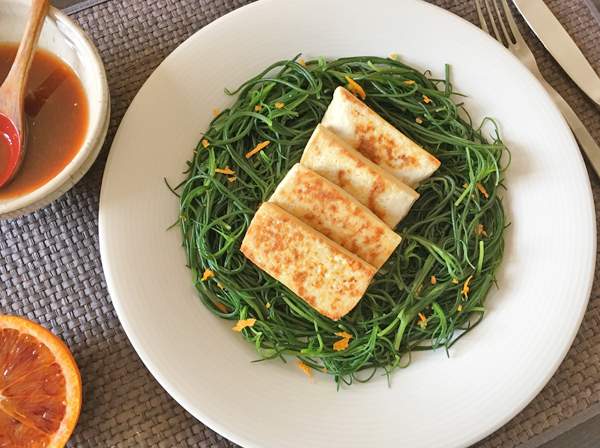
<point>333,158</point>
<point>377,139</point>
<point>320,271</point>
<point>336,214</point>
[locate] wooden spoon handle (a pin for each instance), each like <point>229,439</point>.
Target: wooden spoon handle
<point>16,81</point>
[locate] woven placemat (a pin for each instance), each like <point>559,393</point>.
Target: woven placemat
<point>50,268</point>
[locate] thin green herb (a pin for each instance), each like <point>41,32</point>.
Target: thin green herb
<point>453,232</point>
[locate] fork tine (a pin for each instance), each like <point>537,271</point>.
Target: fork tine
<point>492,21</point>
<point>512,24</point>
<point>482,21</point>
<point>506,33</point>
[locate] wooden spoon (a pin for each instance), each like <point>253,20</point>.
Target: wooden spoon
<point>12,96</point>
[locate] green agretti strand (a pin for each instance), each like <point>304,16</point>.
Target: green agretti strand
<point>453,232</point>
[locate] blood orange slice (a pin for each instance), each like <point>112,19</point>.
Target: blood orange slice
<point>40,386</point>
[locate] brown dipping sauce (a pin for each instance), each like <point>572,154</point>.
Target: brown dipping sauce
<point>56,110</point>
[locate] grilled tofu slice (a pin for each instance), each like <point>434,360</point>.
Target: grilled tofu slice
<point>334,159</point>
<point>317,269</point>
<point>378,140</point>
<point>332,211</point>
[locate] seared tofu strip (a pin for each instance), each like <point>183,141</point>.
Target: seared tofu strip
<point>378,140</point>
<point>321,272</point>
<point>334,159</point>
<point>336,214</point>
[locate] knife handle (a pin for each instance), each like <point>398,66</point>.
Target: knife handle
<point>586,141</point>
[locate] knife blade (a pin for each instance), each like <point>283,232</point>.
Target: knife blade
<point>73,6</point>
<point>560,45</point>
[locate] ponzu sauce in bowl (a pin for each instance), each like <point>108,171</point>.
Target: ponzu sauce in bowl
<point>56,110</point>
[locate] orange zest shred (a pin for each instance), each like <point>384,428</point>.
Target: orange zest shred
<point>225,170</point>
<point>279,105</point>
<point>422,321</point>
<point>466,289</point>
<point>258,148</point>
<point>480,230</point>
<point>257,108</point>
<point>215,112</point>
<point>244,323</point>
<point>232,179</point>
<point>426,99</point>
<point>483,191</point>
<point>344,334</point>
<point>409,82</point>
<point>205,143</point>
<point>307,371</point>
<point>342,344</point>
<point>433,280</point>
<point>302,62</point>
<point>422,317</point>
<point>222,308</point>
<point>207,274</point>
<point>355,88</point>
<point>419,120</point>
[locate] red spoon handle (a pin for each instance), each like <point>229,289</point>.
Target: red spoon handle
<point>12,95</point>
<point>16,80</point>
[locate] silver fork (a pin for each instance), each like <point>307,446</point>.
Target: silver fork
<point>519,48</point>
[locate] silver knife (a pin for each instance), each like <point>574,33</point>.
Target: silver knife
<point>73,6</point>
<point>560,45</point>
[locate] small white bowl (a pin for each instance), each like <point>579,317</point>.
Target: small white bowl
<point>62,37</point>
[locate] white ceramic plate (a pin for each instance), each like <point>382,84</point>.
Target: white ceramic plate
<point>492,374</point>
